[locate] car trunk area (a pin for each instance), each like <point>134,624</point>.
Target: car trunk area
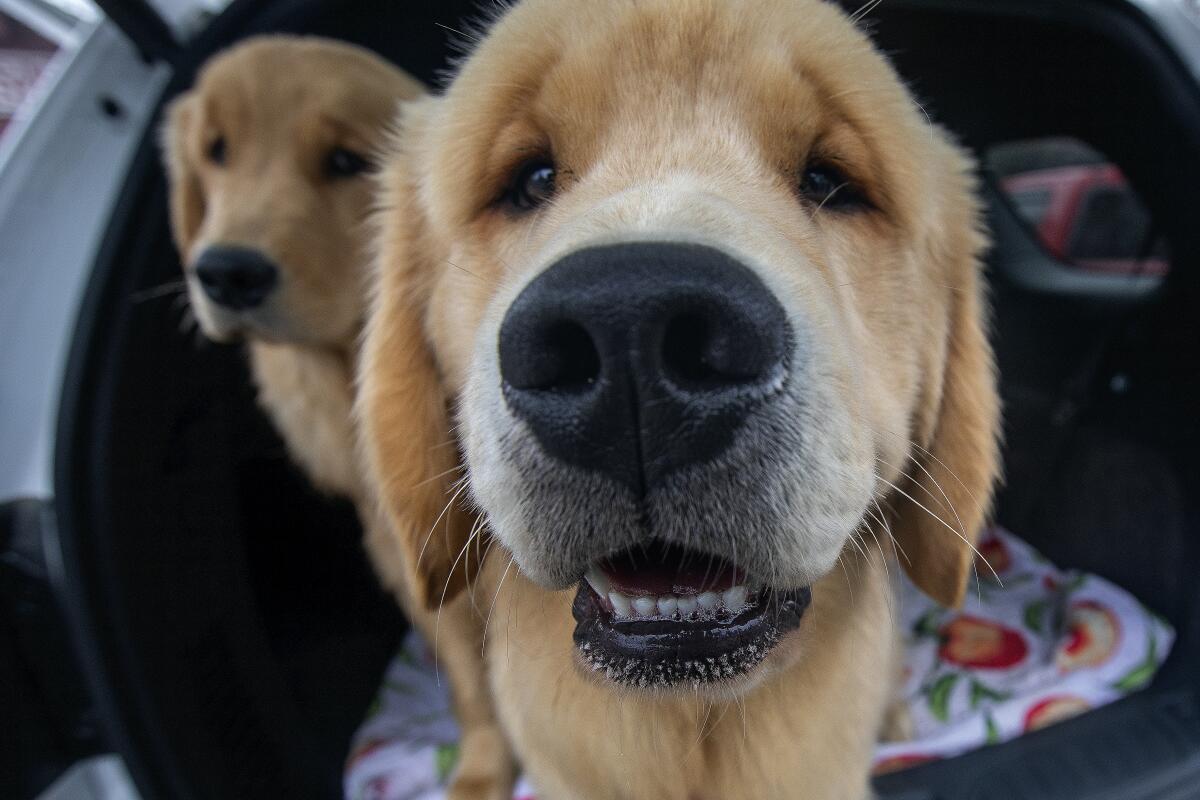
<point>231,628</point>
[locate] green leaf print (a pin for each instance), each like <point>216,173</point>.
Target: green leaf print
<point>939,696</point>
<point>1140,675</point>
<point>981,692</point>
<point>993,730</point>
<point>927,625</point>
<point>1035,615</point>
<point>1076,582</point>
<point>988,585</point>
<point>1136,678</point>
<point>446,757</point>
<point>1013,581</point>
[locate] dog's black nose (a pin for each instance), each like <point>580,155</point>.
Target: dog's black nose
<point>635,360</point>
<point>236,277</point>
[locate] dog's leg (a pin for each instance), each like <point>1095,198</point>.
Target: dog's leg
<point>486,768</point>
<point>897,724</point>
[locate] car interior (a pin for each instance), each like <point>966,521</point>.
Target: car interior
<point>233,635</point>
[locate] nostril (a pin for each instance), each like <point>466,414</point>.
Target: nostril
<point>577,364</point>
<point>556,356</point>
<point>687,351</point>
<point>240,280</point>
<point>712,349</point>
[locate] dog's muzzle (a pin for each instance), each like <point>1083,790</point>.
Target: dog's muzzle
<point>637,360</point>
<point>634,362</point>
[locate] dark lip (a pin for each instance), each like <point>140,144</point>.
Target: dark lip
<point>668,653</point>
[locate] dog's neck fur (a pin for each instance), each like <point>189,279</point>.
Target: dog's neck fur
<point>784,738</point>
<point>308,392</point>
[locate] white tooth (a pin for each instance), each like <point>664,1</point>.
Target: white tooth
<point>687,606</point>
<point>620,604</point>
<point>645,606</point>
<point>667,606</point>
<point>735,599</point>
<point>708,600</point>
<point>597,581</point>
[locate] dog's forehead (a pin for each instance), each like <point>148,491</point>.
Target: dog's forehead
<point>591,52</point>
<point>663,80</point>
<point>317,87</point>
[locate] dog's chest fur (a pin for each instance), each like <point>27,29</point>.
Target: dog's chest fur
<point>308,394</point>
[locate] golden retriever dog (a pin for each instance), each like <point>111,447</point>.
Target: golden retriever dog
<point>269,158</point>
<point>701,286</point>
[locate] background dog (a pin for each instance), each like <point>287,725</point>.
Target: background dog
<point>704,284</point>
<point>269,159</point>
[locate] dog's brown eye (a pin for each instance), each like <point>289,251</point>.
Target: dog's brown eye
<point>829,187</point>
<point>534,185</point>
<point>216,150</point>
<point>343,163</point>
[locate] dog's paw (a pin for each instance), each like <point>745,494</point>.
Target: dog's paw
<point>481,788</point>
<point>485,769</point>
<point>897,725</point>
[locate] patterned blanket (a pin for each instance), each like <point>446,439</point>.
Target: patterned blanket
<point>1032,645</point>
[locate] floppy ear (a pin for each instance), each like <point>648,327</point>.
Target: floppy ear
<point>953,472</point>
<point>410,455</point>
<point>187,200</point>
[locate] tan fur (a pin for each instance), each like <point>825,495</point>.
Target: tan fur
<point>308,394</point>
<point>691,118</point>
<point>282,103</point>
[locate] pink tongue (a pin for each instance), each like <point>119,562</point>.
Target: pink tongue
<point>640,575</point>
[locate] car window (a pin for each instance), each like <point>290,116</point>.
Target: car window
<point>35,36</point>
<point>1081,209</point>
<point>1031,204</point>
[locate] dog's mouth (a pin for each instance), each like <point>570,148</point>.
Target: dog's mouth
<point>663,616</point>
<point>229,326</point>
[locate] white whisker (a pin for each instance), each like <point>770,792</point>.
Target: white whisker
<point>172,287</point>
<point>433,527</point>
<point>965,540</point>
<point>495,596</point>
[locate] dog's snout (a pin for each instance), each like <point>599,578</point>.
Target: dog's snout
<point>236,277</point>
<point>638,359</point>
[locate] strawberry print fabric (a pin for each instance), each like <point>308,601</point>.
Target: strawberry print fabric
<point>1032,645</point>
